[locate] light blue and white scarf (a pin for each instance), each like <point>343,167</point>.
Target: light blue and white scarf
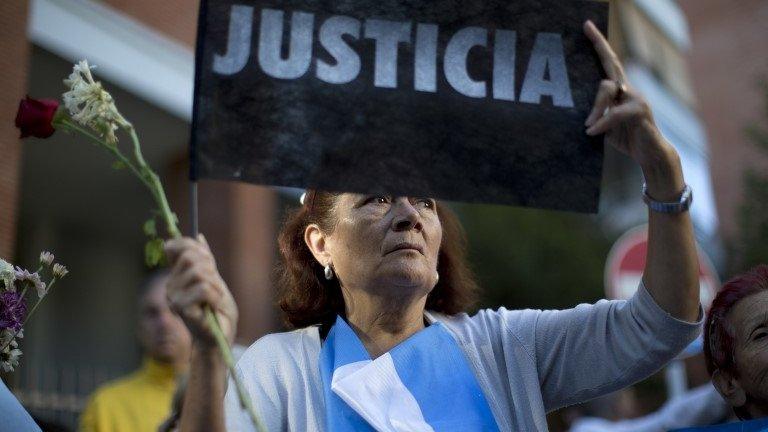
<point>423,384</point>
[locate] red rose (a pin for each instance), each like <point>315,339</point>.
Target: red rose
<point>35,116</point>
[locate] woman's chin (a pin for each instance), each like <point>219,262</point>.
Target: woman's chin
<point>406,281</point>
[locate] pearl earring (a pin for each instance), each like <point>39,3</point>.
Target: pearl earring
<point>328,272</point>
<point>437,277</point>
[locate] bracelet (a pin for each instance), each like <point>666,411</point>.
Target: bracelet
<point>686,198</point>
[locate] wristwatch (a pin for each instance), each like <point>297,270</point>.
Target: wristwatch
<point>686,198</point>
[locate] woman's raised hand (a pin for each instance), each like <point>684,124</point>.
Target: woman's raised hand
<point>622,114</point>
<point>194,282</point>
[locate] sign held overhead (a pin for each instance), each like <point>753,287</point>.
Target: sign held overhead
<point>480,103</point>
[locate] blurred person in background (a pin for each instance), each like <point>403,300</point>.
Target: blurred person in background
<point>617,412</point>
<point>142,400</point>
<point>736,343</point>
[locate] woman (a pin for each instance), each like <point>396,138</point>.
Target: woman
<point>377,283</point>
<point>736,348</point>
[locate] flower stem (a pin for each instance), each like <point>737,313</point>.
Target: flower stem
<point>37,303</point>
<point>156,187</point>
<point>154,184</point>
<point>226,353</point>
<point>152,181</point>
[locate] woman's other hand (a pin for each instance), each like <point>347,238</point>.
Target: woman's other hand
<point>627,122</point>
<point>195,282</point>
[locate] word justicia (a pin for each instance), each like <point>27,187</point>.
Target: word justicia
<point>546,73</point>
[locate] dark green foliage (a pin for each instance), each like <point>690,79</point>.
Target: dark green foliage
<point>527,258</point>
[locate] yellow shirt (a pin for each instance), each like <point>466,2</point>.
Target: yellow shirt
<point>136,403</point>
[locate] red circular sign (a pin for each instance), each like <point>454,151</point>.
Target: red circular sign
<point>626,262</point>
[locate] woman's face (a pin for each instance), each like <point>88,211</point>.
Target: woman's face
<point>749,318</point>
<point>382,244</point>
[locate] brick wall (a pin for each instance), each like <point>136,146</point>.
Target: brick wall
<point>13,83</point>
<point>728,57</point>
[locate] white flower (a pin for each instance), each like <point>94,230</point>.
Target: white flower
<point>7,275</point>
<point>9,359</point>
<point>41,288</point>
<point>6,337</point>
<point>90,105</point>
<point>59,271</point>
<point>23,275</point>
<point>46,258</point>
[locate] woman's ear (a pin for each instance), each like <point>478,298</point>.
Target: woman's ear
<point>729,388</point>
<point>317,244</point>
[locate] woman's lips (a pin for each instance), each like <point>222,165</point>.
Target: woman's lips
<point>406,246</point>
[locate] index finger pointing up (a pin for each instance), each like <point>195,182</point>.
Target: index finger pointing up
<point>610,60</point>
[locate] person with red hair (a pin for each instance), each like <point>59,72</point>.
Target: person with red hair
<point>736,343</point>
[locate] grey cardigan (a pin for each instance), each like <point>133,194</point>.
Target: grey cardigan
<point>527,362</point>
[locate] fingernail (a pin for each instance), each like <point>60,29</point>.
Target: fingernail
<point>590,131</point>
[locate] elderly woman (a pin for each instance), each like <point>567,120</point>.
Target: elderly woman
<point>377,286</point>
<point>736,343</point>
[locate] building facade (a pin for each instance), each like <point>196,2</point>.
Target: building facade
<point>729,61</point>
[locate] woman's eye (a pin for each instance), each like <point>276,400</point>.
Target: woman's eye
<point>426,202</point>
<point>377,200</point>
<point>760,336</point>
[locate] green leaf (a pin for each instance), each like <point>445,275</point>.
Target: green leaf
<point>118,165</point>
<point>153,252</point>
<point>149,228</point>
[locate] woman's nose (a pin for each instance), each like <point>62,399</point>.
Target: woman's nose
<point>406,216</point>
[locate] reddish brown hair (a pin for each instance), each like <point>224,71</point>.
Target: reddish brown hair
<point>719,334</point>
<point>307,298</point>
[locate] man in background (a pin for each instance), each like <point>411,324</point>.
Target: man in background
<point>142,400</point>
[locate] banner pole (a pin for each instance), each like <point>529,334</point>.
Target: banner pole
<point>193,207</point>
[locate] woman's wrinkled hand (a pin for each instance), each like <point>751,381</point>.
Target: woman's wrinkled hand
<point>622,114</point>
<point>194,282</point>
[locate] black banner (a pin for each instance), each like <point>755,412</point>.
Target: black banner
<point>477,101</point>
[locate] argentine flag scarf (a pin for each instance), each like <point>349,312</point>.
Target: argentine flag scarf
<point>423,384</point>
